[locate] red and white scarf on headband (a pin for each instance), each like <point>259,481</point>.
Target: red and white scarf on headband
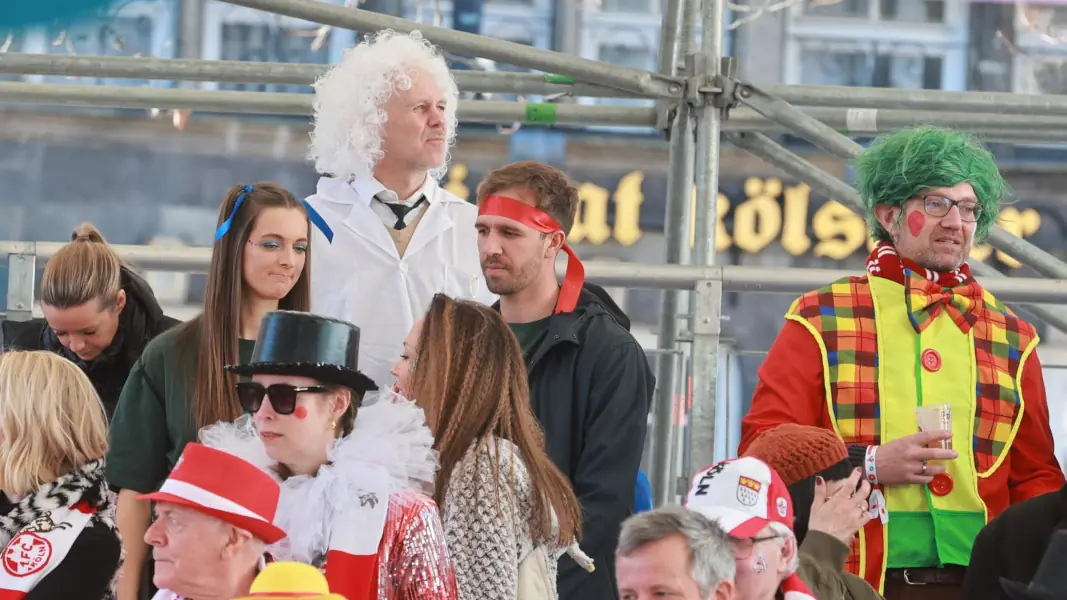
<point>535,218</point>
<point>794,589</point>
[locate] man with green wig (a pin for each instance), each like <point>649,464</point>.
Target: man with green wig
<point>933,383</point>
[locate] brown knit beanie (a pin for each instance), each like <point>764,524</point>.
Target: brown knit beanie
<point>798,451</point>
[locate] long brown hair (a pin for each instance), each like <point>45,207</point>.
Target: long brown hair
<point>471,381</point>
<point>86,269</point>
<point>214,396</point>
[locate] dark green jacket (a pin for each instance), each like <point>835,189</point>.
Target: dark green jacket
<point>822,568</point>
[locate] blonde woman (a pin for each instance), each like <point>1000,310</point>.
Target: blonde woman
<point>57,515</point>
<point>98,313</point>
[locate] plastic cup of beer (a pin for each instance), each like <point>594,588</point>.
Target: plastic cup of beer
<point>935,417</point>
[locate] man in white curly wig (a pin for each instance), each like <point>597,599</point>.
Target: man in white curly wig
<point>385,119</point>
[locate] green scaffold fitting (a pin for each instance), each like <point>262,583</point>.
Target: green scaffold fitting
<point>541,114</point>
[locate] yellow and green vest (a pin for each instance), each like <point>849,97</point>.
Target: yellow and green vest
<point>979,375</point>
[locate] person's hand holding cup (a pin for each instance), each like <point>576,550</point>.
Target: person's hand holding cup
<point>913,458</point>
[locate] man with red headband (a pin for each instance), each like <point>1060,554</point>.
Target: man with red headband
<point>590,383</point>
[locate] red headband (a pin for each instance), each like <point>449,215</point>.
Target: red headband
<point>509,208</point>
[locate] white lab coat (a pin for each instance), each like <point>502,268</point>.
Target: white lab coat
<point>360,277</point>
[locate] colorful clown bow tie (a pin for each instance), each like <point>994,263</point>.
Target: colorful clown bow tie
<point>927,299</point>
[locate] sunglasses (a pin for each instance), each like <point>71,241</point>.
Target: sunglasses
<point>282,396</point>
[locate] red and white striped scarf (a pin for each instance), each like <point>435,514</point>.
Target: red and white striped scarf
<point>794,589</point>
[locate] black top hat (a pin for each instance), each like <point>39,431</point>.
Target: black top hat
<point>299,343</point>
<point>1050,581</point>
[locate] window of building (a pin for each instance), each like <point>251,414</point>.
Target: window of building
<point>1040,60</point>
<point>902,11</point>
<point>869,65</point>
<point>237,33</point>
<point>11,41</point>
<point>911,44</point>
<point>133,29</point>
<point>643,7</point>
<point>271,43</point>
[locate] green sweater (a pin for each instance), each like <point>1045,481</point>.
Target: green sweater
<point>153,420</point>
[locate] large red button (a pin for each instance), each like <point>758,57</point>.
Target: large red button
<point>941,485</point>
<point>931,360</point>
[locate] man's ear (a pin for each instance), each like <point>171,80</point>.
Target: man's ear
<point>789,555</point>
<point>555,243</point>
<point>724,591</point>
<point>237,541</point>
<point>889,218</point>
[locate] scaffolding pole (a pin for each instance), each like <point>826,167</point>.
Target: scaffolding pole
<point>677,41</point>
<point>768,150</point>
<point>921,100</point>
<point>235,71</point>
<point>828,139</point>
<point>706,301</point>
<point>644,83</point>
<point>733,278</point>
<point>469,111</point>
<point>228,71</point>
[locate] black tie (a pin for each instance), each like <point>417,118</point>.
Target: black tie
<point>402,210</point>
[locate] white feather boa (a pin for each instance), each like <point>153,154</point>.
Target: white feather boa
<point>390,436</point>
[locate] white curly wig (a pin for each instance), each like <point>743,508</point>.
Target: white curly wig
<point>349,101</point>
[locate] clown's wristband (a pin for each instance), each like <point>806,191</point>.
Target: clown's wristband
<point>863,457</point>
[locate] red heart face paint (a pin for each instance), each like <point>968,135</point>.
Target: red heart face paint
<point>300,412</point>
<point>916,221</point>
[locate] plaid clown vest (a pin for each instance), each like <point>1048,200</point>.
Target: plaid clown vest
<point>978,373</point>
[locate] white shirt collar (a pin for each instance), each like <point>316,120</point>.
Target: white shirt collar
<point>369,187</point>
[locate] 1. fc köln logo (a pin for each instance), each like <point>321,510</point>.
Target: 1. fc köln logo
<point>748,491</point>
<point>27,554</point>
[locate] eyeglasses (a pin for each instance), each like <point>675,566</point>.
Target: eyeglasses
<point>282,396</point>
<point>743,547</point>
<point>939,206</point>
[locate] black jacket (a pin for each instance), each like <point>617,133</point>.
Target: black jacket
<point>1012,545</point>
<point>591,388</point>
<point>142,319</point>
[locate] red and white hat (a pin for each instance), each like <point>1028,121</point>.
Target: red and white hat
<point>223,486</point>
<point>743,495</point>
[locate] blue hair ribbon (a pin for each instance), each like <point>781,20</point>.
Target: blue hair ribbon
<point>313,216</point>
<point>318,221</point>
<point>225,227</point>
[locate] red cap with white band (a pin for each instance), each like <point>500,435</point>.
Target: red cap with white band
<point>535,218</point>
<point>223,486</point>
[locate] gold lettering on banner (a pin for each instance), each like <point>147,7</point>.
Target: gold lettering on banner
<point>722,206</point>
<point>839,230</point>
<point>795,238</point>
<point>758,220</point>
<point>1019,223</point>
<point>628,201</point>
<point>457,177</point>
<point>591,221</point>
<point>770,211</point>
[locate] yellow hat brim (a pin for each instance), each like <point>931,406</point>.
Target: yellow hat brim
<point>311,597</point>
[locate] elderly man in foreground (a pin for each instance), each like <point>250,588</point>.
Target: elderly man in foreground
<point>214,516</point>
<point>675,552</point>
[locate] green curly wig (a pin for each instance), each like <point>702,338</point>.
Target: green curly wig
<point>899,165</point>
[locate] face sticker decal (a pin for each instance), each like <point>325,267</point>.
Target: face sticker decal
<point>760,566</point>
<point>916,221</point>
<point>300,412</point>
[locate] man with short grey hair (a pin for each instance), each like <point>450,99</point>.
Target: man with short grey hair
<point>676,552</point>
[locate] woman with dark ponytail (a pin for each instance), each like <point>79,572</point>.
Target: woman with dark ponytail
<point>98,313</point>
